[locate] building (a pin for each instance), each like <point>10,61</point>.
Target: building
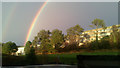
<point>101,33</point>
<point>90,35</point>
<point>20,51</point>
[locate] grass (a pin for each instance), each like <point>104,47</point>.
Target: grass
<point>63,58</point>
<point>100,53</point>
<point>70,58</point>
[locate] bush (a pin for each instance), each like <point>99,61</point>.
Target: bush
<point>104,44</point>
<point>69,47</point>
<point>31,57</point>
<point>93,45</point>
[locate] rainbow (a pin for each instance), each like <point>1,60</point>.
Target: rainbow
<point>35,20</point>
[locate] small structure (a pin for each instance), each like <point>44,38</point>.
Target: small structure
<point>20,51</point>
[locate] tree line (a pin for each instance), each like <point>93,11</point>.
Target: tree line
<point>56,41</point>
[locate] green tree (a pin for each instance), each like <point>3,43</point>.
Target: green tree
<point>44,41</point>
<point>114,37</point>
<point>74,32</point>
<point>0,47</point>
<point>34,42</point>
<point>104,43</point>
<point>57,38</point>
<point>0,44</point>
<point>96,24</point>
<point>30,53</point>
<point>27,47</point>
<point>9,48</point>
<point>31,56</point>
<point>43,34</point>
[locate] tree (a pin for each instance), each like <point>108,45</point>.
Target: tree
<point>30,53</point>
<point>0,47</point>
<point>74,32</point>
<point>27,47</point>
<point>57,38</point>
<point>9,48</point>
<point>43,39</point>
<point>114,37</point>
<point>104,43</point>
<point>34,42</point>
<point>96,24</point>
<point>0,44</point>
<point>86,37</point>
<point>43,34</point>
<point>31,56</point>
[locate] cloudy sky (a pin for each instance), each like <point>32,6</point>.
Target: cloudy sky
<point>18,16</point>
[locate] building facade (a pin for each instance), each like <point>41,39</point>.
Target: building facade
<point>20,51</point>
<point>101,33</point>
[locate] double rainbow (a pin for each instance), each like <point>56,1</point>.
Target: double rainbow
<point>35,20</point>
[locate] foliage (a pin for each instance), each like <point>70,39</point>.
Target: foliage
<point>101,44</point>
<point>43,34</point>
<point>0,47</point>
<point>104,44</point>
<point>70,47</point>
<point>30,53</point>
<point>57,38</point>
<point>93,45</point>
<point>46,47</point>
<point>34,42</point>
<point>9,48</point>
<point>115,36</point>
<point>43,38</point>
<point>96,24</point>
<point>27,47</point>
<point>76,30</point>
<point>73,33</point>
<point>86,38</point>
<point>31,57</point>
<point>0,44</point>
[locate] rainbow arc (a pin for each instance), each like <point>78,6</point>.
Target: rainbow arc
<point>35,20</point>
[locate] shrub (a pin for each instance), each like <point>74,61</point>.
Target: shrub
<point>69,47</point>
<point>93,45</point>
<point>104,44</point>
<point>31,57</point>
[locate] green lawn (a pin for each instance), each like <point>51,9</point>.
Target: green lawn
<point>101,53</point>
<point>63,58</point>
<point>70,58</point>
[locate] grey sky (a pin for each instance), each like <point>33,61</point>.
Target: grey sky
<point>60,0</point>
<point>0,22</point>
<point>17,17</point>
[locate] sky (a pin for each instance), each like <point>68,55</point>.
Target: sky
<point>0,21</point>
<point>60,0</point>
<point>18,16</point>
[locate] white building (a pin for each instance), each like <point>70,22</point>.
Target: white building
<point>20,51</point>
